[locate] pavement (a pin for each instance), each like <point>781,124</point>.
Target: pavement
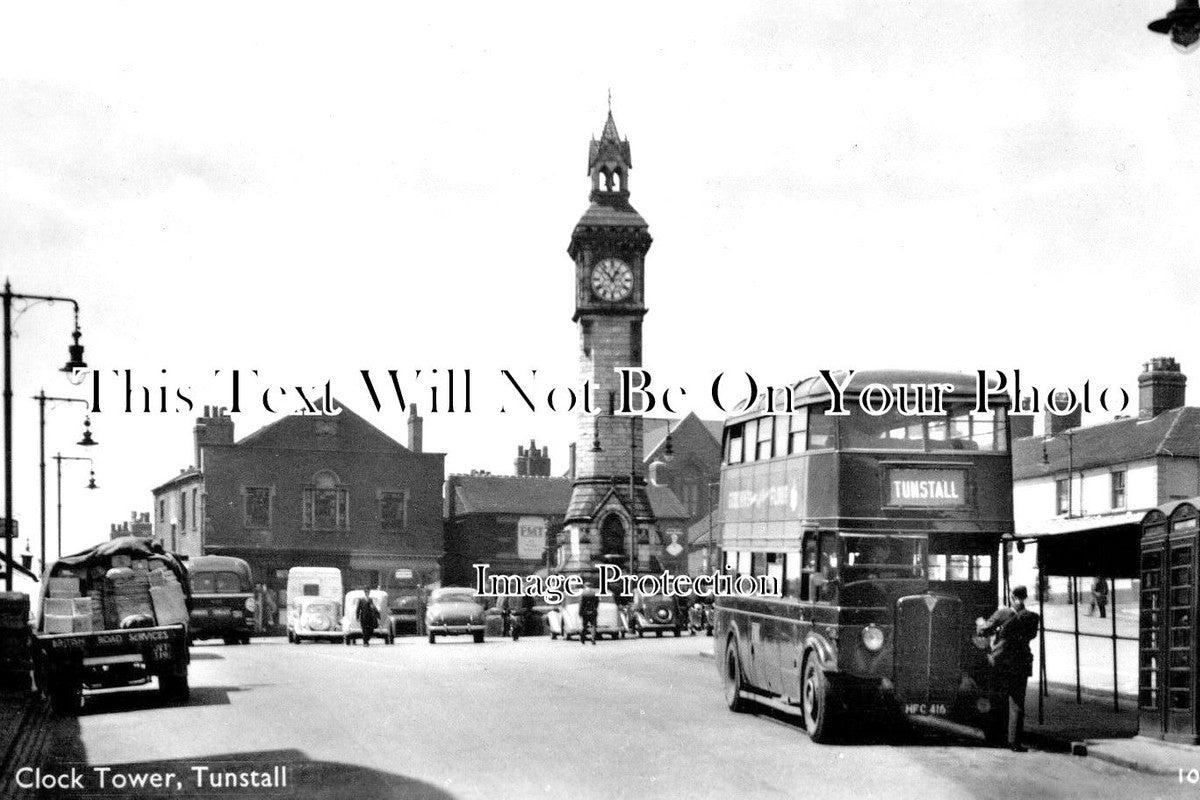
<point>535,718</point>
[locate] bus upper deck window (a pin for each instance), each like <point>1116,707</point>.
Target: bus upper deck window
<point>820,428</point>
<point>798,431</point>
<point>734,456</point>
<point>312,590</point>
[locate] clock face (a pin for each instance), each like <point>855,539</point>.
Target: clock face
<point>612,279</point>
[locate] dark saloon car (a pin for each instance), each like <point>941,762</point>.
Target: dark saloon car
<point>656,613</point>
<point>408,614</point>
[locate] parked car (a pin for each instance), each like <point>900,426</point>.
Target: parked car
<point>454,611</point>
<point>564,619</point>
<point>407,613</point>
<point>655,613</point>
<point>314,603</point>
<point>352,630</point>
<point>223,603</point>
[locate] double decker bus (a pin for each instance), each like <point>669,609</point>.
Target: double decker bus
<point>883,532</point>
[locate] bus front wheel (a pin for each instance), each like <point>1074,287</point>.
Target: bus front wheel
<point>817,701</point>
<point>732,678</point>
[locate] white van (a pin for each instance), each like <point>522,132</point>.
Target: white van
<point>314,603</point>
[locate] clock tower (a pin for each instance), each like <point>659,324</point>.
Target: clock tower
<point>609,518</point>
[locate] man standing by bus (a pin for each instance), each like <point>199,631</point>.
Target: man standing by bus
<point>1014,627</point>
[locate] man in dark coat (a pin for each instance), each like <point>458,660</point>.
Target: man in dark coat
<point>589,612</point>
<point>368,617</point>
<point>1014,627</point>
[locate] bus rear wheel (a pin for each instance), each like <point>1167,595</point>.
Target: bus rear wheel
<point>817,699</point>
<point>731,677</point>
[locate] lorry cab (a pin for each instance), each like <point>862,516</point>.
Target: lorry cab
<point>223,602</point>
<point>314,604</point>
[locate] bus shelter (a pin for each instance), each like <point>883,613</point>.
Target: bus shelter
<point>1104,547</point>
<point>1167,680</point>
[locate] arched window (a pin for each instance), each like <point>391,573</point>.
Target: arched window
<point>612,536</point>
<point>326,504</point>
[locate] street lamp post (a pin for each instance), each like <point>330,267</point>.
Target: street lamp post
<point>42,399</point>
<point>90,485</point>
<point>74,362</point>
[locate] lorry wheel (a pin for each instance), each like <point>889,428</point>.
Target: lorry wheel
<point>817,699</point>
<point>479,638</point>
<point>432,637</point>
<point>66,697</point>
<point>230,639</point>
<point>658,634</point>
<point>731,678</point>
<point>174,687</point>
<point>678,633</point>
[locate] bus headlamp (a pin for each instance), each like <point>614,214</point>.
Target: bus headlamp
<point>872,638</point>
<point>251,605</point>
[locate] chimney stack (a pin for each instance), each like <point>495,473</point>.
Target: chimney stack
<point>1021,427</point>
<point>1057,423</point>
<point>532,463</point>
<point>215,427</point>
<point>1161,387</point>
<point>415,429</point>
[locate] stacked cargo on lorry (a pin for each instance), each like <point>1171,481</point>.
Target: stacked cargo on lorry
<point>114,615</point>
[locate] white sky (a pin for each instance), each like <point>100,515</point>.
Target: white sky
<point>310,190</point>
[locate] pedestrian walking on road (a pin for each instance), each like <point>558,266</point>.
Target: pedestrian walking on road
<point>1013,627</point>
<point>368,617</point>
<point>1099,597</point>
<point>589,612</point>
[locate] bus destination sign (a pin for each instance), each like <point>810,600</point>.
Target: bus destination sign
<point>935,488</point>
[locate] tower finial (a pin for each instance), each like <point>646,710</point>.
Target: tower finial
<point>610,99</point>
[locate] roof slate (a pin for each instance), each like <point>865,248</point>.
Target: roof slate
<point>1173,433</point>
<point>509,494</point>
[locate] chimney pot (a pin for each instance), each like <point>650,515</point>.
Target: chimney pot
<point>1162,386</point>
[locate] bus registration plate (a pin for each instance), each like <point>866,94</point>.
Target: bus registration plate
<point>926,709</point>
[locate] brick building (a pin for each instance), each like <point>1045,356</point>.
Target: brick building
<point>514,522</point>
<point>309,490</point>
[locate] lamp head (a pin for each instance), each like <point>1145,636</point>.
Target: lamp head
<point>75,359</point>
<point>91,484</point>
<point>87,440</point>
<point>1182,24</point>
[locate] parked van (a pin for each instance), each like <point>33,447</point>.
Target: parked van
<point>223,602</point>
<point>314,603</point>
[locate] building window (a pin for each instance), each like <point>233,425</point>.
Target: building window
<point>393,510</point>
<point>1118,489</point>
<point>691,498</point>
<point>183,510</point>
<point>162,510</point>
<point>326,506</point>
<point>195,516</point>
<point>1062,496</point>
<point>258,507</point>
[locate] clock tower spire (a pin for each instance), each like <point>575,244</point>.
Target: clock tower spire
<point>609,518</point>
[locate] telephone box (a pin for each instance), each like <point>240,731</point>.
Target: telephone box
<point>1167,679</point>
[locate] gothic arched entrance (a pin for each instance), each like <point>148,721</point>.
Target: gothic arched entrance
<point>612,536</point>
